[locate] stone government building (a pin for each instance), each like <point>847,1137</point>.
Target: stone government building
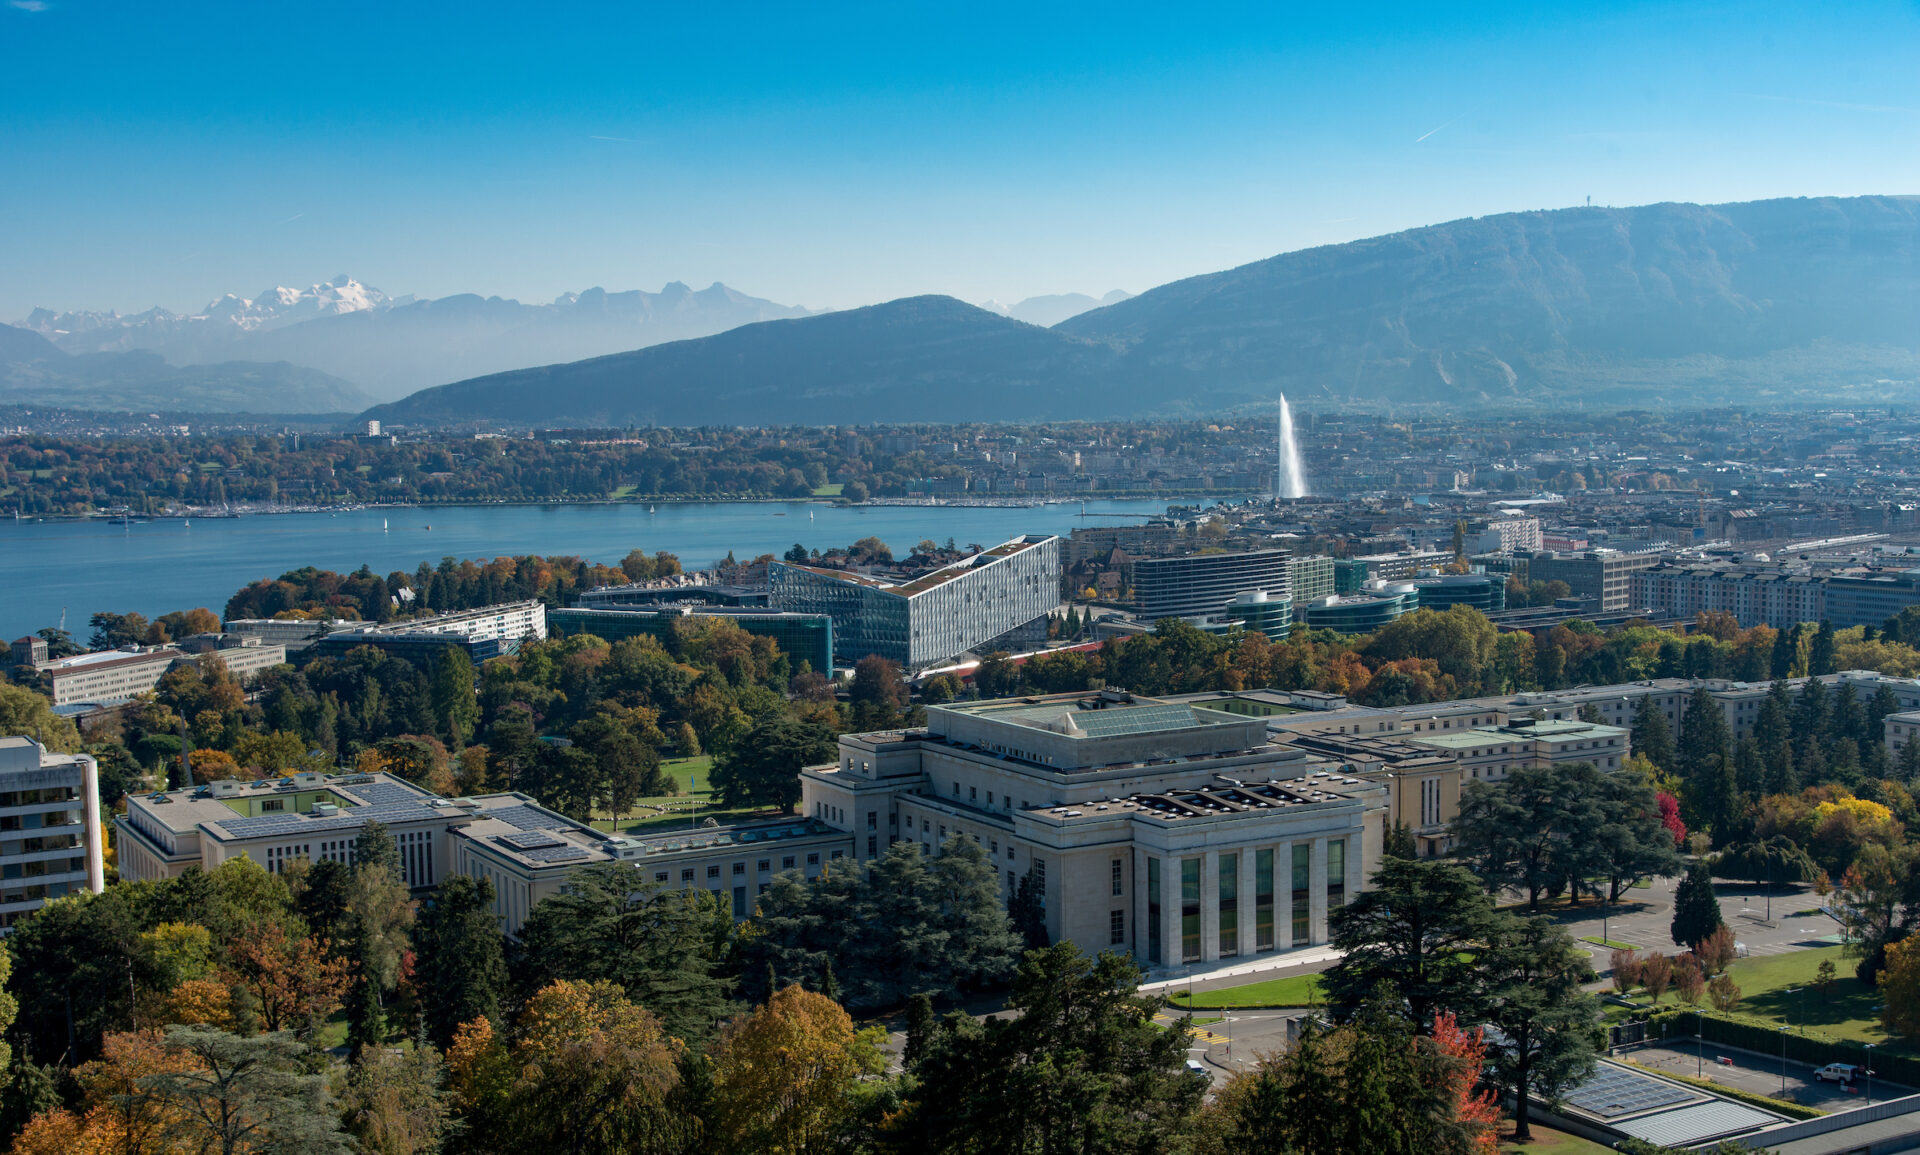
<point>1178,834</point>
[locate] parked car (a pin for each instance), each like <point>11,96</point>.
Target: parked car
<point>1198,1070</point>
<point>1842,1073</point>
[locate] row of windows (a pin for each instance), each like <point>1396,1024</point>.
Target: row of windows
<point>763,866</point>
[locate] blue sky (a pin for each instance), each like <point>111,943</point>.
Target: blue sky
<point>836,155</point>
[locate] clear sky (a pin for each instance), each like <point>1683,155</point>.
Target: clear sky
<point>835,155</point>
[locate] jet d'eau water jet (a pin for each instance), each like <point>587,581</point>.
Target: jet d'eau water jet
<point>1290,480</point>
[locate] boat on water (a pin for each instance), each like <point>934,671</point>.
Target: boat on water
<point>649,509</point>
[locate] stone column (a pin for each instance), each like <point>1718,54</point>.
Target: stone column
<point>1249,932</point>
<point>1210,906</point>
<point>1283,896</point>
<point>1170,911</point>
<point>1317,892</point>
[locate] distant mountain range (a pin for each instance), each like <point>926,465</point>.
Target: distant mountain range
<point>1670,302</point>
<point>34,372</point>
<point>391,346</point>
<point>1050,310</point>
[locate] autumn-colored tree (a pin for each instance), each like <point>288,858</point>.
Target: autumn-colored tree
<point>55,1132</point>
<point>586,1046</point>
<point>1656,974</point>
<point>1900,988</point>
<point>1476,1111</point>
<point>782,1075</point>
<point>206,1002</point>
<point>1626,970</point>
<point>1724,993</point>
<point>210,765</point>
<point>295,982</point>
<point>1716,950</point>
<point>1688,982</point>
<point>119,1117</point>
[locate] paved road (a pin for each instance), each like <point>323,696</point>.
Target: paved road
<point>1644,919</point>
<point>1237,1041</point>
<point>1760,1074</point>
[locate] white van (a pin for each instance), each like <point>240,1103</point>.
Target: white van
<point>1842,1073</point>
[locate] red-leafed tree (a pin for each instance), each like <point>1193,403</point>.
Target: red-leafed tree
<point>1476,1109</point>
<point>1670,818</point>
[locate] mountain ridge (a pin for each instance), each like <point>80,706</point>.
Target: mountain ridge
<point>1628,305</point>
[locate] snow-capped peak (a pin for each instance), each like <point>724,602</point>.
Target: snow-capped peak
<point>280,305</point>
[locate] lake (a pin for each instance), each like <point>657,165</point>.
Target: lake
<point>83,567</point>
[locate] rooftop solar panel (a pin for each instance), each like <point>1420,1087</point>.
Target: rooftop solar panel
<point>530,839</point>
<point>528,818</point>
<point>1614,1092</point>
<point>561,853</point>
<point>1113,723</point>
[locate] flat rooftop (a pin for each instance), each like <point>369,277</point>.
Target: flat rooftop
<point>907,587</point>
<point>1223,797</point>
<point>1094,716</point>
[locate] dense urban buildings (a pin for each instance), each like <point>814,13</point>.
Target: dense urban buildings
<point>50,830</point>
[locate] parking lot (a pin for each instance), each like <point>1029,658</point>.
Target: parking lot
<point>1757,1073</point>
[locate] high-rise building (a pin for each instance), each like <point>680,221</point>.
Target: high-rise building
<point>1201,584</point>
<point>1309,577</point>
<point>1754,595</point>
<point>49,827</point>
<point>1001,594</point>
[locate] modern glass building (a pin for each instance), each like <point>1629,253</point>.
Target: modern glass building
<point>933,616</point>
<point>802,637</point>
<point>1365,612</point>
<point>1203,583</point>
<point>1272,616</point>
<point>1484,592</point>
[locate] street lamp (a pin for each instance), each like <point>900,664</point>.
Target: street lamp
<point>1869,1074</point>
<point>1783,1062</point>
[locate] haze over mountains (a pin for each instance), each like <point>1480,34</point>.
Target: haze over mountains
<point>1676,302</point>
<point>391,346</point>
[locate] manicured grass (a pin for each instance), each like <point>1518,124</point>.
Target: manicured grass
<point>830,489</point>
<point>1610,944</point>
<point>1851,1010</point>
<point>1298,991</point>
<point>1547,1141</point>
<point>681,806</point>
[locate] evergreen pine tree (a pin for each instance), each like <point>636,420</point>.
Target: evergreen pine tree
<point>1910,759</point>
<point>920,1027</point>
<point>1786,651</point>
<point>1696,912</point>
<point>1820,651</point>
<point>1652,738</point>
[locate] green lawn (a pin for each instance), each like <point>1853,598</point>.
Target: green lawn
<point>1550,1142</point>
<point>1610,944</point>
<point>684,809</point>
<point>830,489</point>
<point>1298,991</point>
<point>1851,1010</point>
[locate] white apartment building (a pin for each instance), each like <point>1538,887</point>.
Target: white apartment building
<point>49,827</point>
<point>109,677</point>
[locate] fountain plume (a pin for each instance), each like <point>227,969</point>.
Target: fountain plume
<point>1290,480</point>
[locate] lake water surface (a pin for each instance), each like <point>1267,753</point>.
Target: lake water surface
<point>82,567</point>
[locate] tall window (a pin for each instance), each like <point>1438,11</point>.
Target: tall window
<point>1302,879</point>
<point>1229,905</point>
<point>1117,928</point>
<point>1189,909</point>
<point>1336,873</point>
<point>1263,899</point>
<point>1153,910</point>
<point>1117,876</point>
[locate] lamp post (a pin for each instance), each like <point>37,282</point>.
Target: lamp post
<point>1869,1074</point>
<point>1783,1062</point>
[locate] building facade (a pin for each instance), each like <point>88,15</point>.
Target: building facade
<point>970,604</point>
<point>1603,574</point>
<point>1364,612</point>
<point>488,632</point>
<point>110,677</point>
<point>1201,584</point>
<point>1179,835</point>
<point>49,828</point>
